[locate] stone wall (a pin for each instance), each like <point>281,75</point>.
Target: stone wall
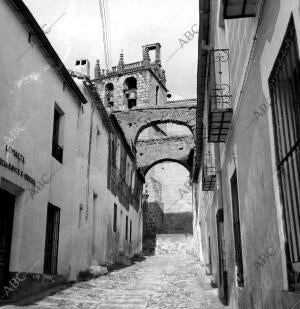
<point>153,217</point>
<point>161,94</point>
<point>152,224</point>
<point>178,223</point>
<point>176,148</point>
<point>146,89</point>
<point>120,101</point>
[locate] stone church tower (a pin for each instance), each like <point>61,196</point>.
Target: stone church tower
<point>137,84</point>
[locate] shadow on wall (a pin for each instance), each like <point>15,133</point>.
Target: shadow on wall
<point>178,223</point>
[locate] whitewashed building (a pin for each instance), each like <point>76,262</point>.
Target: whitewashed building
<point>58,215</point>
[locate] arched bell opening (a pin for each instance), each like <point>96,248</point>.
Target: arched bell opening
<point>130,91</point>
<point>109,94</point>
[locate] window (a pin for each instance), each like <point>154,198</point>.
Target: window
<point>52,238</point>
<point>126,228</point>
<point>284,84</point>
<point>209,257</point>
<point>118,154</point>
<point>57,149</point>
<point>114,151</point>
<point>237,229</point>
<point>128,174</point>
<point>95,224</point>
<point>115,218</point>
<point>132,181</point>
<point>239,8</point>
<point>98,140</point>
<point>130,231</point>
<point>80,215</point>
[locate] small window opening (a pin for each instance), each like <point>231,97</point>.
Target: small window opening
<point>130,233</point>
<point>126,228</point>
<point>115,218</point>
<point>57,148</point>
<point>114,153</point>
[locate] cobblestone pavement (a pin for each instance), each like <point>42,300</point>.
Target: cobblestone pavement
<point>172,278</point>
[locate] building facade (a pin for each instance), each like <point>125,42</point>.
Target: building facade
<point>246,171</point>
<point>59,213</point>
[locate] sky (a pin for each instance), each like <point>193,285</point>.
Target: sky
<point>76,33</point>
<point>176,191</point>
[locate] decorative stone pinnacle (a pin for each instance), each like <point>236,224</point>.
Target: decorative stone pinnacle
<point>163,77</point>
<point>97,70</point>
<point>121,61</point>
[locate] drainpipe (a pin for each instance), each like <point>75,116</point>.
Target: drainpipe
<point>89,159</point>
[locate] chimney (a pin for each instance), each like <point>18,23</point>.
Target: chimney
<point>82,66</point>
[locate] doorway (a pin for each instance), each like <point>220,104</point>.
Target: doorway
<point>223,283</point>
<point>52,239</point>
<point>6,226</point>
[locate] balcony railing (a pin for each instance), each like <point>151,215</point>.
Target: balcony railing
<point>57,152</point>
<point>135,200</point>
<point>124,189</point>
<point>209,173</point>
<point>114,174</point>
<point>220,109</point>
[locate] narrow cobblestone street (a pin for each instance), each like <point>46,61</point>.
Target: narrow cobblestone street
<point>171,278</point>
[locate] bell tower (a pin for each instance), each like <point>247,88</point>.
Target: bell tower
<point>133,85</point>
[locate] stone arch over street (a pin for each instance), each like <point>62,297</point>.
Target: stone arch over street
<point>158,122</point>
<point>172,148</point>
<point>166,160</point>
<point>134,121</point>
<point>176,147</point>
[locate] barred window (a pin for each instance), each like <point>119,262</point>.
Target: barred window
<point>284,84</point>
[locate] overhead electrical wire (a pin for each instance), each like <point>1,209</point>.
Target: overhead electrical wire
<point>104,12</point>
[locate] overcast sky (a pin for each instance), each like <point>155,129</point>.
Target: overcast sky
<point>78,34</point>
